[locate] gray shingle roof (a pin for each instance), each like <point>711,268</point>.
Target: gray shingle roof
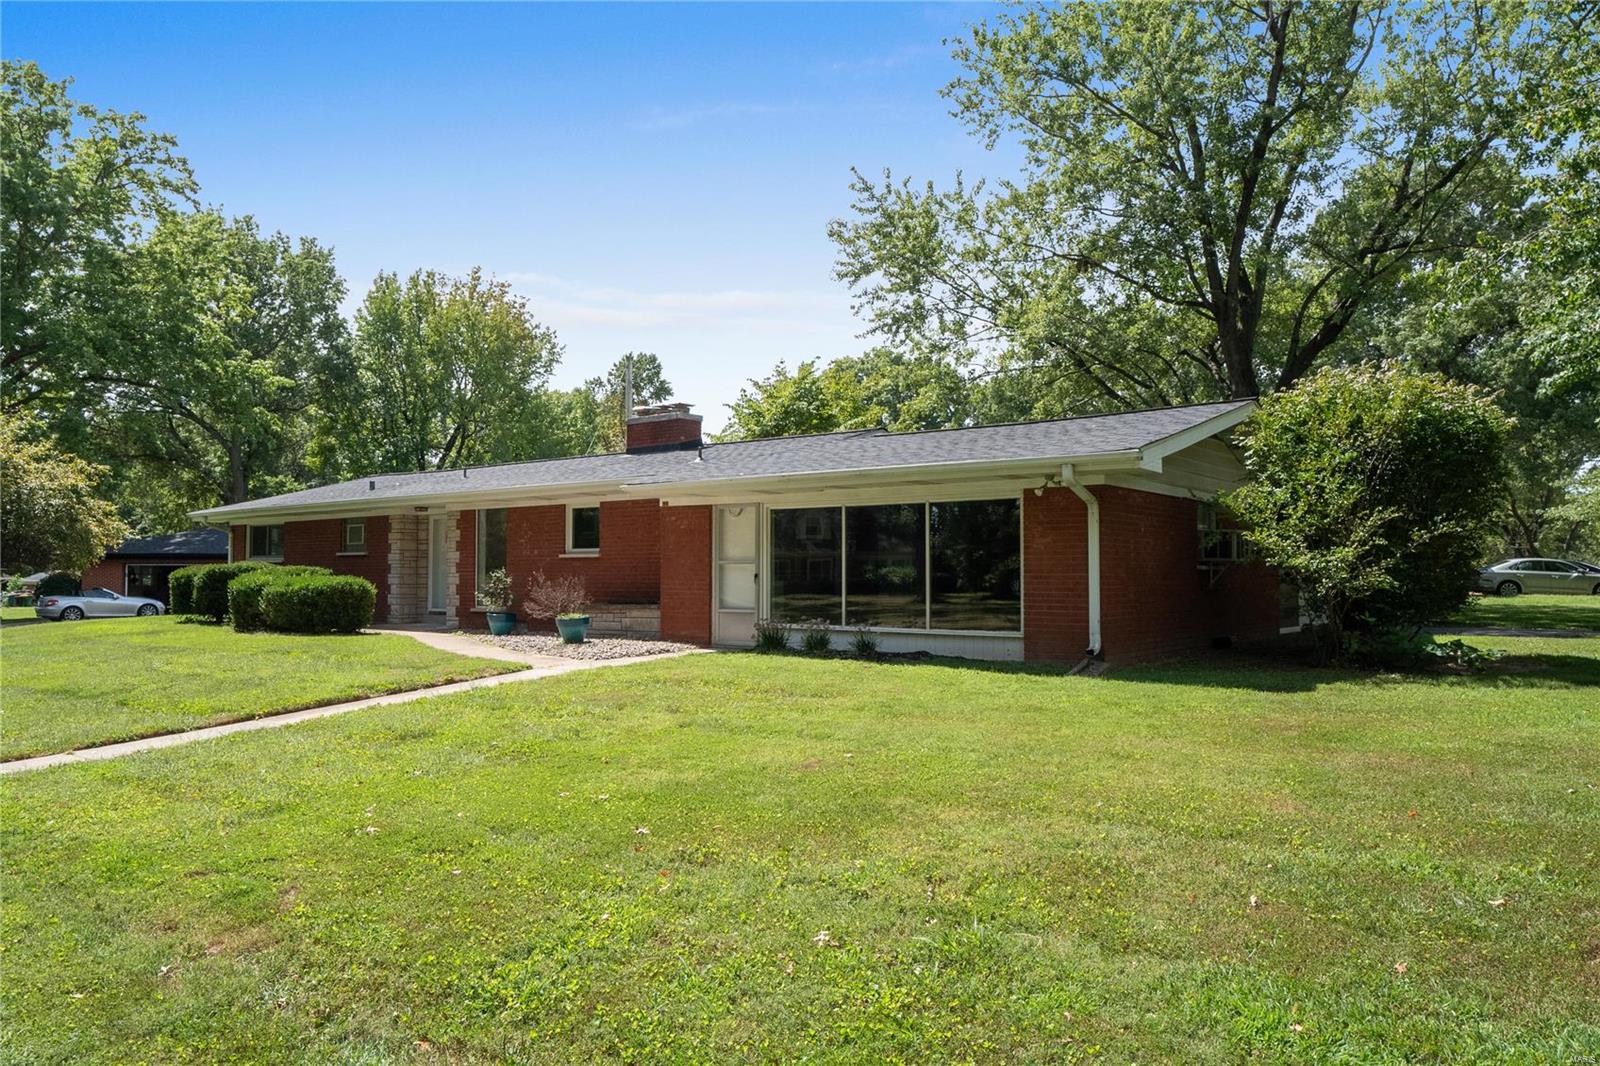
<point>189,542</point>
<point>865,450</point>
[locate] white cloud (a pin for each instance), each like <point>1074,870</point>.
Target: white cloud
<point>558,299</point>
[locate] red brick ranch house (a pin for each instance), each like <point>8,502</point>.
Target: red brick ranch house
<point>1029,541</point>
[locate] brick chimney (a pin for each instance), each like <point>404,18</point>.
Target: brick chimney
<point>663,427</point>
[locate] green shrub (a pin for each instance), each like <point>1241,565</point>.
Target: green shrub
<point>864,643</point>
<point>1373,490</point>
<point>318,604</point>
<point>244,592</point>
<point>180,590</point>
<point>210,596</point>
<point>815,638</point>
<point>772,636</point>
<point>58,584</point>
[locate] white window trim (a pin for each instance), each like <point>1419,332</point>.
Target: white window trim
<point>477,551</point>
<point>344,547</point>
<point>249,543</point>
<point>579,553</point>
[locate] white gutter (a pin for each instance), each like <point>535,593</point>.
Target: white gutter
<point>1092,508</point>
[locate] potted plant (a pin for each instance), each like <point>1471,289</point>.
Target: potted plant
<point>563,598</point>
<point>494,592</point>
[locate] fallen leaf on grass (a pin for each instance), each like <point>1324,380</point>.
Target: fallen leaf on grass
<point>824,939</point>
<point>1400,967</point>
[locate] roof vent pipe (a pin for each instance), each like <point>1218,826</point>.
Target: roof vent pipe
<point>1091,506</point>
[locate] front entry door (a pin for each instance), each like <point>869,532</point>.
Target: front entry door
<point>736,551</point>
<point>436,562</point>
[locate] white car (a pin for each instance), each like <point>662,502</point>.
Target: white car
<point>96,603</point>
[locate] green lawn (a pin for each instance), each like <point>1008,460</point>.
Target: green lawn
<point>17,614</point>
<point>1531,612</point>
<point>71,684</point>
<point>1193,863</point>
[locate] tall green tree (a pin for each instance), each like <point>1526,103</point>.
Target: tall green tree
<point>1211,194</point>
<point>51,514</point>
<point>79,185</point>
<point>235,336</point>
<point>447,371</point>
<point>877,389</point>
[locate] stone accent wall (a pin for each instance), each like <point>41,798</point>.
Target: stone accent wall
<point>408,568</point>
<point>638,620</point>
<point>454,538</point>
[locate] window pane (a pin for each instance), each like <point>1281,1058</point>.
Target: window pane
<point>355,534</point>
<point>491,540</point>
<point>266,540</point>
<point>977,565</point>
<point>886,580</point>
<point>585,529</point>
<point>805,564</point>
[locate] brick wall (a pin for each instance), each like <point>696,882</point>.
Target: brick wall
<point>106,574</point>
<point>316,543</point>
<point>240,536</point>
<point>1154,598</point>
<point>627,569</point>
<point>1055,567</point>
<point>686,577</point>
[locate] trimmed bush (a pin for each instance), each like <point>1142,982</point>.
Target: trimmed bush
<point>244,592</point>
<point>180,589</point>
<point>58,584</point>
<point>210,596</point>
<point>318,604</point>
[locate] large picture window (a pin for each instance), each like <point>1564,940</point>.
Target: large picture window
<point>491,541</point>
<point>805,565</point>
<point>977,565</point>
<point>943,566</point>
<point>886,578</point>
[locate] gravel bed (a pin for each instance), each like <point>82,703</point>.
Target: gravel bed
<point>593,648</point>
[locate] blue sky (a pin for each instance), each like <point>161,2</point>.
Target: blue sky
<point>652,177</point>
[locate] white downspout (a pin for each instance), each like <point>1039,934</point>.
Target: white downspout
<point>1092,507</point>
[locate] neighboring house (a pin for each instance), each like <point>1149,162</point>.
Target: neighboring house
<point>140,566</point>
<point>1038,541</point>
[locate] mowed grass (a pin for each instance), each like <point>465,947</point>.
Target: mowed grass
<point>1531,612</point>
<point>747,858</point>
<point>66,685</point>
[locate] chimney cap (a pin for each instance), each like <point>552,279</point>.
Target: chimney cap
<point>662,410</point>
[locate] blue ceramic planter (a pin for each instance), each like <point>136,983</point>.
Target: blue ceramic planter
<point>501,623</point>
<point>573,630</point>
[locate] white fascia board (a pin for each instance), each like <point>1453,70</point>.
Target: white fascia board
<point>1150,455</point>
<point>433,502</point>
<point>964,469</point>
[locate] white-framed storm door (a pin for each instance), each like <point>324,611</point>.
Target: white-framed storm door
<point>735,574</point>
<point>438,559</point>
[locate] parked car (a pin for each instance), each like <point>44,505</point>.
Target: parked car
<point>96,603</point>
<point>1513,577</point>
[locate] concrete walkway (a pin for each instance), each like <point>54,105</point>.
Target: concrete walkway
<point>547,666</point>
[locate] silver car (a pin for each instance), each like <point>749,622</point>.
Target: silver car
<point>95,603</point>
<point>1513,577</point>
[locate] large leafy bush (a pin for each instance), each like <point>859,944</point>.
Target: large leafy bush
<point>58,584</point>
<point>318,604</point>
<point>1373,489</point>
<point>180,589</point>
<point>209,587</point>
<point>245,591</point>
